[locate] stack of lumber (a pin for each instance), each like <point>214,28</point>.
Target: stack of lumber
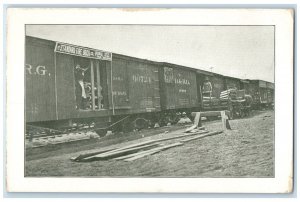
<point>210,100</point>
<point>142,149</point>
<point>227,93</point>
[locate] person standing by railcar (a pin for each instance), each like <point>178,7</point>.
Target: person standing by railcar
<point>207,88</point>
<point>79,86</point>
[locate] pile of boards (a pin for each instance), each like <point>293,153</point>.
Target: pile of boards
<point>228,93</point>
<point>145,148</point>
<point>207,101</point>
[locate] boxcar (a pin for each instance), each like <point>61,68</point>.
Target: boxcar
<point>262,93</point>
<point>113,84</point>
<point>178,87</point>
<point>51,85</point>
<point>135,85</point>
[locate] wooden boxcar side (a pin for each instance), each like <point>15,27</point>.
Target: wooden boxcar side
<point>201,75</point>
<point>118,85</point>
<point>232,82</point>
<point>40,97</point>
<point>217,82</point>
<point>144,87</point>
<point>66,89</point>
<point>218,85</point>
<point>254,91</point>
<point>178,87</point>
<point>135,85</point>
<point>245,85</point>
<point>263,92</point>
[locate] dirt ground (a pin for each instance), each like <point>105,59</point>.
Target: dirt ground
<point>245,151</point>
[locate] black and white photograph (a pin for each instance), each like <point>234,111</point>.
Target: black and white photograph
<point>152,101</point>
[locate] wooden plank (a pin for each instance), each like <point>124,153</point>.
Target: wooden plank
<point>210,113</point>
<point>135,154</point>
<point>82,156</point>
<point>113,153</point>
<point>160,140</point>
<point>225,121</point>
<point>201,136</point>
<point>197,123</point>
<point>154,151</point>
<point>142,155</point>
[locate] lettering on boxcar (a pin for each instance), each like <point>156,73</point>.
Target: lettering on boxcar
<point>41,70</point>
<point>119,93</point>
<point>168,75</point>
<point>82,51</point>
<point>141,79</point>
<point>86,53</point>
<point>182,81</point>
<point>28,68</point>
<point>183,101</point>
<point>78,51</point>
<point>117,78</point>
<point>182,90</point>
<point>38,70</point>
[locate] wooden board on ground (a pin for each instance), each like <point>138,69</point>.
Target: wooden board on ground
<point>201,136</point>
<point>154,151</point>
<point>82,156</point>
<point>136,147</point>
<point>113,153</point>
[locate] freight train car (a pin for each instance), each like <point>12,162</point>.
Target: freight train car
<point>66,82</point>
<point>180,81</point>
<point>262,93</point>
<point>224,93</point>
<point>211,86</point>
<point>56,72</point>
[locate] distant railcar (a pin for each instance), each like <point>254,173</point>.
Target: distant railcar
<point>261,95</point>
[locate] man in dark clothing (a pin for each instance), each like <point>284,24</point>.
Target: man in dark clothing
<point>207,88</point>
<point>79,86</point>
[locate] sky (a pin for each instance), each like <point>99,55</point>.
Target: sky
<point>245,52</point>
